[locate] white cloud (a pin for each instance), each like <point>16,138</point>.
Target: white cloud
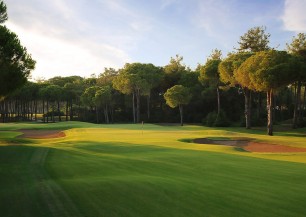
<point>294,17</point>
<point>63,57</point>
<point>63,41</point>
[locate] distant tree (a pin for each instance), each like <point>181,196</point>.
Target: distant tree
<point>3,12</point>
<point>298,44</point>
<point>21,104</point>
<point>107,76</point>
<point>106,79</point>
<point>72,95</point>
<point>153,76</point>
<point>298,49</point>
<point>88,100</point>
<point>209,75</point>
<point>190,79</point>
<point>195,112</point>
<point>102,99</point>
<point>45,96</point>
<point>88,96</point>
<point>52,94</point>
<point>215,55</point>
<point>136,79</point>
<point>29,93</point>
<point>91,81</point>
<point>227,71</point>
<point>173,72</point>
<point>56,95</point>
<point>123,83</point>
<point>177,96</point>
<point>254,40</point>
<point>267,71</point>
<point>61,81</point>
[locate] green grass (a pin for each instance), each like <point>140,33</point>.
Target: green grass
<point>150,170</point>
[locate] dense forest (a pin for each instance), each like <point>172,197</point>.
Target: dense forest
<point>254,85</point>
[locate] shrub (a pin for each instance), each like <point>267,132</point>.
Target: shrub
<point>54,113</point>
<point>221,120</point>
<point>211,118</point>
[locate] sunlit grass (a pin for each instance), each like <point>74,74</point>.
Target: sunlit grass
<point>148,170</point>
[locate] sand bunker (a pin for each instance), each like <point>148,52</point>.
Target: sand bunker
<point>251,146</point>
<point>41,134</point>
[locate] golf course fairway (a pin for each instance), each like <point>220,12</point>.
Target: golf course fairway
<point>135,170</point>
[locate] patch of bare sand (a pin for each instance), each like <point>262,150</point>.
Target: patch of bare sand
<point>251,146</point>
<point>272,148</point>
<point>41,134</point>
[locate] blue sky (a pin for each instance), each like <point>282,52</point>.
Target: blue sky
<point>81,37</point>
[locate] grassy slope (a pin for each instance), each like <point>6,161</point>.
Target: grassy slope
<point>122,170</point>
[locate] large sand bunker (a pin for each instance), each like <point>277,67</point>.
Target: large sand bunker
<point>251,146</point>
<point>41,134</point>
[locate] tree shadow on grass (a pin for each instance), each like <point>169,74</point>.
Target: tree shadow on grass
<point>263,131</point>
<point>29,190</point>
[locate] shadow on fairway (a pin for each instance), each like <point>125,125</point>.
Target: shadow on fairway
<point>29,190</point>
<point>263,131</point>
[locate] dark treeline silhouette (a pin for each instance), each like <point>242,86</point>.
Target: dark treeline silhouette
<point>97,100</point>
<point>253,86</point>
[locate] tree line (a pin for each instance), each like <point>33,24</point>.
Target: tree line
<point>253,85</point>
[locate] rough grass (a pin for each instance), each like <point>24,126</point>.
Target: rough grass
<point>135,170</point>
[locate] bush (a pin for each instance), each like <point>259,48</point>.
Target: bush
<point>215,120</point>
<point>54,113</point>
<point>301,123</point>
<point>211,118</point>
<point>221,120</point>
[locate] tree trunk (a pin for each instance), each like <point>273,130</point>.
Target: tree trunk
<point>2,112</point>
<point>303,104</point>
<point>43,111</point>
<point>52,115</point>
<point>181,114</point>
<point>247,108</point>
<point>270,112</point>
<point>67,109</point>
<point>79,109</point>
<point>297,105</point>
<point>138,106</point>
<point>5,111</point>
<point>18,109</point>
<point>47,111</point>
<point>300,109</point>
<point>59,112</point>
<point>32,109</point>
<point>148,106</point>
<point>259,105</point>
<point>71,111</point>
<point>134,112</point>
<point>97,114</point>
<point>35,115</point>
<point>218,99</point>
<point>23,111</point>
<point>9,110</point>
<point>106,114</point>
<point>111,112</point>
